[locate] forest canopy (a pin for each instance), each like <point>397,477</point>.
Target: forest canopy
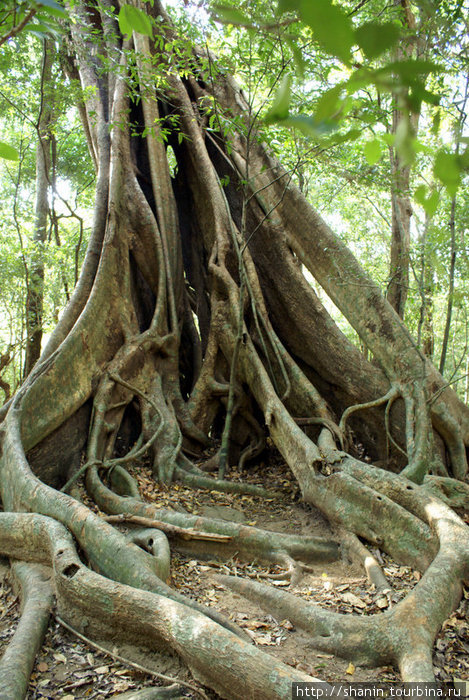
<point>233,237</point>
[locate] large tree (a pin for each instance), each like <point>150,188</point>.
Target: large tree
<point>192,318</point>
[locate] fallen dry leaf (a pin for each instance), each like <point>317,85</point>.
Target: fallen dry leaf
<point>101,670</point>
<point>382,603</point>
<point>354,600</point>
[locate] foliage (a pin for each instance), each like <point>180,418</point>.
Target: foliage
<point>338,95</point>
<point>70,194</point>
<point>336,89</point>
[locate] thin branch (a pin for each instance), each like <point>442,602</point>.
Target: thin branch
<point>16,30</point>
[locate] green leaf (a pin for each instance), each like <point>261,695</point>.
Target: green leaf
<point>8,152</point>
<point>430,202</point>
<point>447,169</point>
<point>410,69</point>
<point>328,103</point>
<point>288,6</point>
<point>53,8</point>
<point>374,38</point>
<point>373,151</point>
<point>307,125</point>
<point>331,27</point>
<point>464,159</point>
<point>388,139</point>
<point>297,57</point>
<point>436,121</point>
<point>350,135</point>
<point>230,15</point>
<point>132,19</point>
<point>281,104</point>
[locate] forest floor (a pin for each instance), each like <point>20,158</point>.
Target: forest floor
<point>69,668</point>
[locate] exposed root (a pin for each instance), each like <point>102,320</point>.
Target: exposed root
<point>121,482</point>
<point>233,667</point>
<point>452,492</point>
<point>106,548</point>
<point>222,485</point>
<point>242,540</point>
<point>334,429</point>
<point>359,552</point>
<point>184,533</point>
<point>156,543</point>
<point>405,634</point>
<point>161,676</point>
<point>419,432</point>
<point>121,345</point>
<point>173,691</point>
<point>37,600</point>
<point>390,396</point>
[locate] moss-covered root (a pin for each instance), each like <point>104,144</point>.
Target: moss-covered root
<point>37,598</point>
<point>451,491</point>
<point>108,551</point>
<point>156,543</point>
<point>105,609</point>
<point>404,635</point>
<point>241,540</point>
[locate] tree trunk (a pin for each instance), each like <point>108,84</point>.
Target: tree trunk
<point>426,286</point>
<point>452,267</point>
<point>404,126</point>
<point>35,295</point>
<point>160,254</point>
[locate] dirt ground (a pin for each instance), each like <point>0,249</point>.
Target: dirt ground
<point>68,667</point>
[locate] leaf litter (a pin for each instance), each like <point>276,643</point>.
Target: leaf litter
<point>68,668</point>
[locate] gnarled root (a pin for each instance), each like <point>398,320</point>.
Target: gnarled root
<point>405,634</point>
<point>245,541</point>
<point>107,609</point>
<point>37,599</point>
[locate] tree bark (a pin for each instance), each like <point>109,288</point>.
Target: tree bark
<point>35,295</point>
<point>404,126</point>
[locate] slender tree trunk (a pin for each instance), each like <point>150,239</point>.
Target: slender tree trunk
<point>452,267</point>
<point>35,297</point>
<point>425,333</point>
<point>453,244</point>
<point>404,125</point>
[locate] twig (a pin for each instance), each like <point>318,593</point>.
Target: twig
<point>16,30</point>
<point>438,393</point>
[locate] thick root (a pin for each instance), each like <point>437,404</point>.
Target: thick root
<point>242,540</point>
<point>405,634</point>
<point>106,609</point>
<point>37,599</point>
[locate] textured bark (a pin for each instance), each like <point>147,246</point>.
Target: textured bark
<point>179,277</point>
<point>401,206</point>
<point>35,294</point>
